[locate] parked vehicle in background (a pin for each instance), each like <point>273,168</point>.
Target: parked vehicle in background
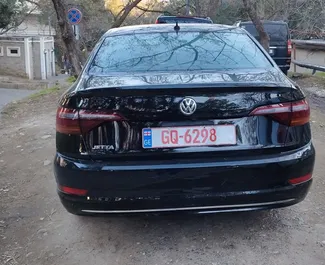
<point>198,119</point>
<point>280,41</point>
<point>163,19</point>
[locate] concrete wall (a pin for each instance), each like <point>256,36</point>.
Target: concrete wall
<point>311,56</point>
<point>36,59</point>
<point>309,52</point>
<point>12,65</point>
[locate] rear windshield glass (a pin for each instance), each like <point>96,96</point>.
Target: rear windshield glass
<point>277,32</point>
<point>185,51</point>
<point>172,20</point>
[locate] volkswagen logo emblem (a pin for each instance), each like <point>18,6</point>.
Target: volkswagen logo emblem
<point>188,106</point>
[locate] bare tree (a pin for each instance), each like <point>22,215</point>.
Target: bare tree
<point>207,8</point>
<point>71,45</point>
<point>252,13</point>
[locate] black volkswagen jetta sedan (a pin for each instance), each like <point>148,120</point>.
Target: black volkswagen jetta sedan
<point>192,118</point>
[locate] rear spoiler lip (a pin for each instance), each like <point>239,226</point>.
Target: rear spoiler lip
<point>179,90</point>
<point>240,85</point>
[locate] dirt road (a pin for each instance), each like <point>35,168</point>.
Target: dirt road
<point>35,229</point>
<point>9,95</point>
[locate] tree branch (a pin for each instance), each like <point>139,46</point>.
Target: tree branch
<point>124,13</point>
<point>152,10</point>
<point>33,2</point>
<point>17,24</point>
<point>119,13</point>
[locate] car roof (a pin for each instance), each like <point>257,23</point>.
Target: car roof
<point>166,17</point>
<point>151,28</point>
<point>266,22</point>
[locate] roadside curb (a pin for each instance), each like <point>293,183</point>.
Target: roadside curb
<point>28,86</point>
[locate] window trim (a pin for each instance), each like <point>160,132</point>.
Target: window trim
<point>9,54</point>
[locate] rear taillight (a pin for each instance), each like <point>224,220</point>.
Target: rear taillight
<point>290,113</point>
<point>67,121</point>
<point>289,47</point>
<point>72,121</point>
<point>156,22</point>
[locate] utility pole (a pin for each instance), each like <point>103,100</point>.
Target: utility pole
<point>187,7</point>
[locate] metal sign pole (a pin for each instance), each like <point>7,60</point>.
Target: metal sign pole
<point>76,31</point>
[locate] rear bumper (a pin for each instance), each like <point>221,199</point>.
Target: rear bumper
<point>220,186</point>
<point>214,203</point>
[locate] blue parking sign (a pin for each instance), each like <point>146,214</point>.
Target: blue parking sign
<point>74,16</point>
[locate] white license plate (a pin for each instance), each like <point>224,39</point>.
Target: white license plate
<point>169,137</point>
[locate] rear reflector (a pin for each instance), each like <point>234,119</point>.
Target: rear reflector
<point>290,113</point>
<point>73,191</point>
<point>300,180</point>
<point>72,121</point>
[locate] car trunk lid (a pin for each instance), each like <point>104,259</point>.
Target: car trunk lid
<point>113,118</point>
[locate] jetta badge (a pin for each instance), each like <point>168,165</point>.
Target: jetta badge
<point>188,106</point>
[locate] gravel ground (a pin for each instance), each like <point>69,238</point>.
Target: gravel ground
<point>35,229</point>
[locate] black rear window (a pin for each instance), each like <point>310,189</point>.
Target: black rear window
<point>172,20</point>
<point>277,32</point>
<point>185,51</point>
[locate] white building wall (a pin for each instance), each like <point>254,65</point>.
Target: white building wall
<point>36,57</point>
<point>32,27</point>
